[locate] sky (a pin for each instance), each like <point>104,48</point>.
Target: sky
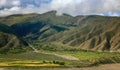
<point>71,7</point>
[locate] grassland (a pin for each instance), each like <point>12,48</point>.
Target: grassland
<point>87,55</point>
<point>30,59</point>
<point>86,58</point>
<point>91,57</point>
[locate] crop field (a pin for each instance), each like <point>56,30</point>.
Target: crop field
<point>86,58</point>
<point>30,59</point>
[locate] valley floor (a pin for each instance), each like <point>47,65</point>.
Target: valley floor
<point>101,67</point>
<point>58,58</point>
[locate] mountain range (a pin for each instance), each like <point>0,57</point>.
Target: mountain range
<point>90,32</point>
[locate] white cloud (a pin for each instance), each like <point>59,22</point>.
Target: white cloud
<point>9,3</point>
<point>68,6</point>
<point>86,7</point>
<point>113,14</point>
<point>14,9</point>
<point>3,2</point>
<point>16,2</point>
<point>72,7</point>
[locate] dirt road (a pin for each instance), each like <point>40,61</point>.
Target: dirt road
<point>68,57</point>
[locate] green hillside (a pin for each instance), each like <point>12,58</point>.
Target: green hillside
<point>9,41</point>
<point>96,33</point>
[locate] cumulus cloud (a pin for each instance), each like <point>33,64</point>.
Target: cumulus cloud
<point>72,7</point>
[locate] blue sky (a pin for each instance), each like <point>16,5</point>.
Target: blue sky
<point>72,7</point>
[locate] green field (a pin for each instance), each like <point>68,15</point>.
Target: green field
<point>30,56</point>
<point>86,58</point>
<point>87,55</point>
<point>34,59</point>
<point>30,59</point>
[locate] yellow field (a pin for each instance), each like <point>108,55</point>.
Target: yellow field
<point>27,63</point>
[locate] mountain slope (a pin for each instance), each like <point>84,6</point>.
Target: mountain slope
<point>9,41</point>
<point>93,33</point>
<point>42,26</point>
<point>97,33</point>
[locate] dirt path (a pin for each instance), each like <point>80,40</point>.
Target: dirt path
<point>68,57</point>
<point>10,41</point>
